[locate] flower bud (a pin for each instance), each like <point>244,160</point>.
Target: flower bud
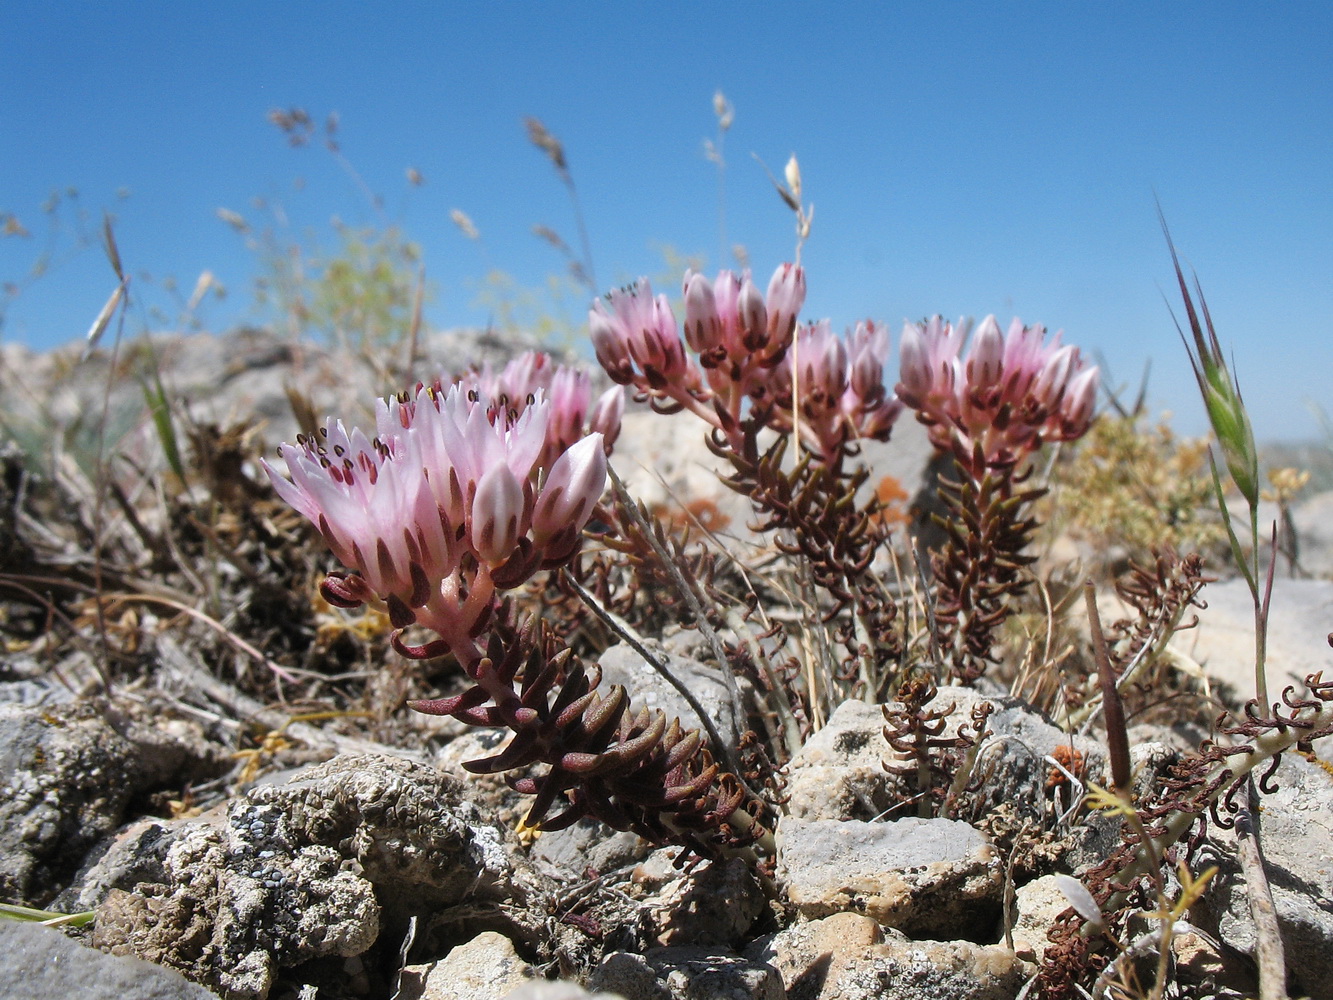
<point>869,349</point>
<point>703,328</point>
<point>568,395</point>
<point>826,371</point>
<point>1054,375</point>
<point>914,368</point>
<point>606,415</point>
<point>1080,401</point>
<point>753,315</point>
<point>985,362</point>
<point>609,344</point>
<point>497,515</point>
<point>786,296</point>
<point>572,489</point>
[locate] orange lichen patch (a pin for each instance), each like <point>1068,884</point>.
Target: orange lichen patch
<point>1071,760</point>
<point>695,514</point>
<point>893,500</point>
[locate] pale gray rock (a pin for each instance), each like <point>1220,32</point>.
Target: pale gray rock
<point>1096,832</point>
<point>501,804</point>
<point>848,956</point>
<point>840,774</point>
<point>221,379</point>
<point>68,773</point>
<point>1313,521</point>
<point>1300,619</point>
<point>906,457</point>
<point>138,853</point>
<point>41,963</point>
<point>666,464</point>
<point>621,664</point>
<point>712,904</point>
<point>310,868</point>
<point>485,968</point>
<point>589,844</point>
<point>630,976</point>
<point>541,989</point>
<point>1037,904</point>
<point>1296,835</point>
<point>234,909</point>
<point>935,878</point>
<point>411,828</point>
<point>687,974</point>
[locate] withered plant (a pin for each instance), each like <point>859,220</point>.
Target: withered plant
<point>935,767</point>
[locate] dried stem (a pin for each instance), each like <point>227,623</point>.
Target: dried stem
<point>1268,935</point>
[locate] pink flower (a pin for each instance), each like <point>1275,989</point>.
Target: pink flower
<point>498,515</point>
<point>447,472</point>
<point>372,507</point>
<point>929,368</point>
<point>452,472</point>
<point>841,387</point>
<point>866,403</point>
<point>570,392</point>
<point>739,333</point>
<point>568,389</point>
<point>703,325</point>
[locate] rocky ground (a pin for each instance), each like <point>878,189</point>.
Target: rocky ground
<point>226,850</point>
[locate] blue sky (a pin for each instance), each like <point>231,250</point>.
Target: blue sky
<point>961,158</point>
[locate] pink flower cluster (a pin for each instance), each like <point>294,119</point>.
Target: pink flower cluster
<point>840,386</point>
<point>1008,396</point>
<point>742,346</point>
<point>569,390</point>
<point>458,494</point>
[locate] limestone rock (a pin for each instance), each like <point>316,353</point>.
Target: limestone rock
<point>1313,520</point>
<point>410,828</point>
<point>39,963</point>
<point>68,773</point>
<point>712,904</point>
<point>934,878</point>
<point>309,869</point>
<point>839,773</point>
<point>236,908</point>
<point>541,989</point>
<point>485,968</point>
<point>648,689</point>
<point>848,956</point>
<point>1037,904</point>
<point>1296,831</point>
<point>665,463</point>
<point>491,792</point>
<point>589,844</point>
<point>1300,619</point>
<point>687,974</point>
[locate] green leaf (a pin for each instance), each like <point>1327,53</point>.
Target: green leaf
<point>156,398</point>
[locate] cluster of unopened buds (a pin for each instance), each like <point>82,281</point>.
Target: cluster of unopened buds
<point>466,489</point>
<point>743,348</point>
<point>1010,395</point>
